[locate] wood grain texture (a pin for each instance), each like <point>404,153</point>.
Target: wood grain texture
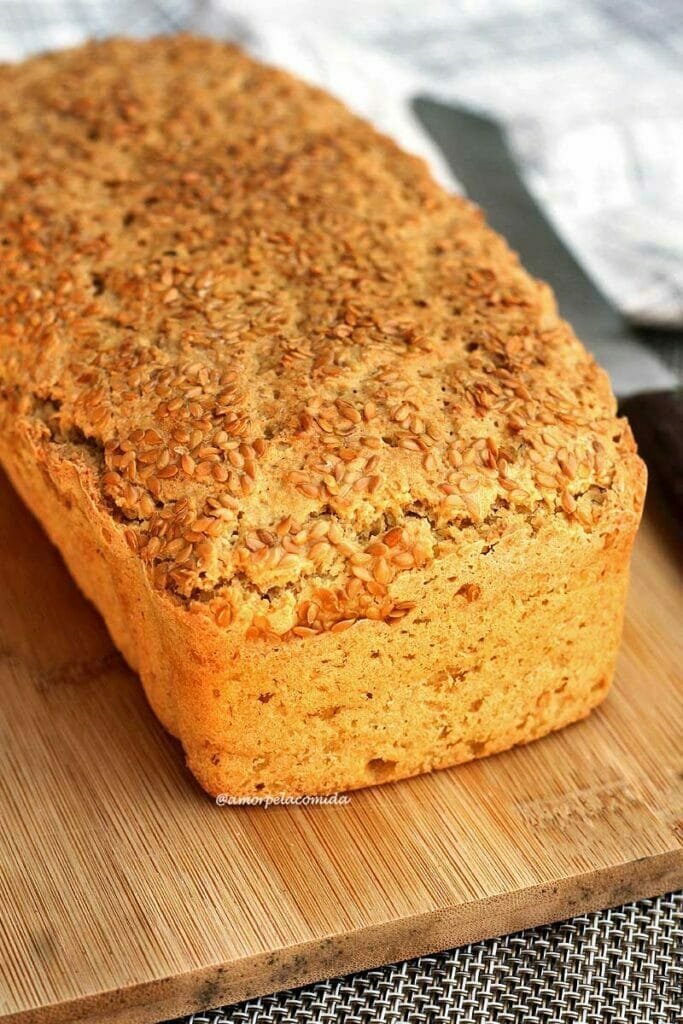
<point>128,896</point>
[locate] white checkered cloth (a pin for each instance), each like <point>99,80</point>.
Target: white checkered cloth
<point>590,91</point>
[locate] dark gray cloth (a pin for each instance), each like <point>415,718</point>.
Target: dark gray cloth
<point>622,966</point>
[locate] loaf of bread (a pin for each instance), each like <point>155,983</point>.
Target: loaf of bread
<point>351,497</point>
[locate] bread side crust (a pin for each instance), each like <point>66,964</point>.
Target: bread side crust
<point>501,649</point>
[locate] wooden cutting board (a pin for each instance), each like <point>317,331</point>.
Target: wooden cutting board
<point>128,895</point>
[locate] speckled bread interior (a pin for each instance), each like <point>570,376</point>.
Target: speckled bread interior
<point>350,496</point>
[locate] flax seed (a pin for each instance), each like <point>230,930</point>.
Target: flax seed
<point>315,380</point>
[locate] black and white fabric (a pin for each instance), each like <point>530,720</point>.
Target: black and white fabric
<point>622,966</point>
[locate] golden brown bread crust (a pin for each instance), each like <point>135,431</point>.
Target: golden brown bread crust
<point>350,496</point>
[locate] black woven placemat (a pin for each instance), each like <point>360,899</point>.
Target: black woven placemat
<point>621,966</point>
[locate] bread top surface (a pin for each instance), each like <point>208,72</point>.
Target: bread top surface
<point>291,367</point>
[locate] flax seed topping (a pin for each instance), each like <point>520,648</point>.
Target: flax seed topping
<point>292,366</point>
